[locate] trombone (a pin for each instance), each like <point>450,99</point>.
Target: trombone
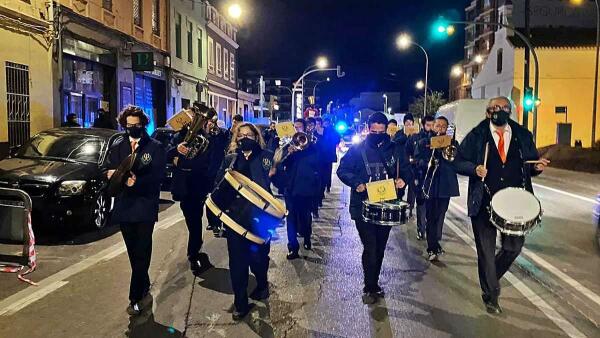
<point>448,154</point>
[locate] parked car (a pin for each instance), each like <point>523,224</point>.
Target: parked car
<point>64,172</point>
<point>165,136</point>
<point>597,219</point>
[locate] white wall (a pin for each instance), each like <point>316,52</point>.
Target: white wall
<point>488,82</point>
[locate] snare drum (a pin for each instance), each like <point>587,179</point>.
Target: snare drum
<point>515,211</point>
<point>391,213</point>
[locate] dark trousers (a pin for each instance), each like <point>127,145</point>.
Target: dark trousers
<point>299,220</point>
<point>138,240</point>
<point>244,255</point>
<point>410,197</point>
<point>193,209</point>
<point>491,265</point>
<point>374,240</point>
<point>326,175</point>
<point>436,209</point>
<point>421,213</point>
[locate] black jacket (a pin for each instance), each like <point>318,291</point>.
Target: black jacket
<point>299,175</point>
<point>139,203</point>
<point>260,165</point>
<point>195,178</point>
<point>471,154</point>
<point>445,182</point>
<point>327,144</point>
<point>104,122</point>
<point>352,171</point>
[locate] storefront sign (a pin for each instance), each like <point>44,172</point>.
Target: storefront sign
<point>142,61</point>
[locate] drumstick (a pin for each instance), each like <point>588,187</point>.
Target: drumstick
<point>534,162</point>
<point>487,146</point>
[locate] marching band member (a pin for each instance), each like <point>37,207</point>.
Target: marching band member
<point>136,207</point>
<point>193,179</point>
<point>440,187</point>
<point>298,175</point>
<point>375,155</point>
<point>510,145</point>
<point>401,139</point>
<point>248,156</point>
<point>418,174</point>
<point>329,139</point>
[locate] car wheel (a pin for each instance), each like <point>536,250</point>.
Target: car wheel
<point>100,211</point>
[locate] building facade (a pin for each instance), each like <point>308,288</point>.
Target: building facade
<point>566,82</point>
<point>188,48</point>
<point>222,64</point>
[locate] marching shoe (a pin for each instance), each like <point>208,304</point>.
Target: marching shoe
<point>201,264</point>
<point>440,252</point>
<point>134,309</point>
<point>433,257</point>
<point>420,236</point>
<point>307,245</point>
<point>379,292</point>
<point>260,294</point>
<point>369,298</point>
<point>292,255</point>
<point>239,315</point>
<point>493,307</point>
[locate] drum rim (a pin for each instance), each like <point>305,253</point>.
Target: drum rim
<point>274,207</point>
<point>233,225</point>
<point>382,223</point>
<point>404,205</point>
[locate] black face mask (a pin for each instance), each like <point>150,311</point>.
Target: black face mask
<point>135,132</point>
<point>500,118</point>
<point>247,144</point>
<point>376,139</point>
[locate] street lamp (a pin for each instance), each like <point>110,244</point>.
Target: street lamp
<point>420,85</point>
<point>235,11</point>
<point>478,58</point>
<point>385,105</point>
<point>456,71</point>
<point>320,66</point>
<point>594,108</point>
<point>322,62</point>
<point>315,88</point>
<point>404,41</point>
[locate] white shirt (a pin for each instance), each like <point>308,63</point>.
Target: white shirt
<point>507,136</point>
<point>137,141</point>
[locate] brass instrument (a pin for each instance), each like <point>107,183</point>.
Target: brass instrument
<point>116,183</point>
<point>194,139</point>
<point>449,153</point>
<point>298,142</point>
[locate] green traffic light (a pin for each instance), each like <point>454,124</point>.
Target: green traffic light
<point>441,29</point>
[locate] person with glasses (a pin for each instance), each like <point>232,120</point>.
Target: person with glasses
<point>509,147</point>
<point>248,156</point>
<point>136,207</point>
<point>193,180</point>
<point>374,159</point>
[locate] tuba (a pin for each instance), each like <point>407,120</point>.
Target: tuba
<point>194,138</point>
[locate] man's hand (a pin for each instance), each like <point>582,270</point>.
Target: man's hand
<point>400,183</point>
<point>542,165</point>
<point>110,173</point>
<point>182,149</point>
<point>130,181</point>
<point>481,171</point>
<point>361,188</point>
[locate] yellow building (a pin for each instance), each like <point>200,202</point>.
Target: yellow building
<point>26,71</point>
<point>566,84</point>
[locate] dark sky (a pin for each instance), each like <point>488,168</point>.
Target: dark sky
<point>283,37</point>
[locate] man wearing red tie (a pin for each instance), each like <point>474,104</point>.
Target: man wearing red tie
<point>510,147</point>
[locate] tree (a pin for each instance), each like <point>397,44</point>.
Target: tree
<point>435,100</point>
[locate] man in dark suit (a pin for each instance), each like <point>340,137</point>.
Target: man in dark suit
<point>136,207</point>
<point>401,140</point>
<point>509,147</point>
<point>440,186</point>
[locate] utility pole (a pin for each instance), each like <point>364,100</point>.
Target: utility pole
<point>261,86</point>
<point>526,63</point>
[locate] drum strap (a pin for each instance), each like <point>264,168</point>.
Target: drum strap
<point>366,161</point>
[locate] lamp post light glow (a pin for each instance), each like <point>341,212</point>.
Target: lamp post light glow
<point>420,85</point>
<point>456,71</point>
<point>403,41</point>
<point>235,11</point>
<point>322,62</point>
<point>478,58</point>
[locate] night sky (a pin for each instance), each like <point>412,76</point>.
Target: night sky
<point>283,37</point>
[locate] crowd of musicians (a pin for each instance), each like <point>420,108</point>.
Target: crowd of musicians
<point>302,175</point>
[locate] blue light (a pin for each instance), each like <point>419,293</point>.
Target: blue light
<point>341,127</point>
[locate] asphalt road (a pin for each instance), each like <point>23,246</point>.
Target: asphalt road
<point>552,291</point>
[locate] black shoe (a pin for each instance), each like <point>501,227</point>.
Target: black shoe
<point>328,189</point>
<point>433,257</point>
<point>134,309</point>
<point>315,214</point>
<point>210,227</point>
<point>292,255</point>
<point>307,245</point>
<point>239,315</point>
<point>369,298</point>
<point>420,236</point>
<point>379,292</point>
<point>260,294</point>
<point>440,252</point>
<point>201,264</point>
<point>493,307</point>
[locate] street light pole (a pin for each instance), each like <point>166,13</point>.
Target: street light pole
<point>315,88</point>
<point>385,105</point>
<point>338,69</point>
<point>404,40</point>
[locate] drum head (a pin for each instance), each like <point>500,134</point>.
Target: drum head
<point>516,205</point>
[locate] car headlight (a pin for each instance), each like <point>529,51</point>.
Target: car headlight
<point>71,188</point>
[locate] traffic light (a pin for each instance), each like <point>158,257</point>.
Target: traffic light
<point>528,99</point>
<point>441,29</point>
<point>341,127</point>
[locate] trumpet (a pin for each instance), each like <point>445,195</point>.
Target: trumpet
<point>298,142</point>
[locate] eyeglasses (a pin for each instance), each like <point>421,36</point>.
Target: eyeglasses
<point>497,108</point>
<point>250,136</point>
<point>377,132</point>
<point>129,125</point>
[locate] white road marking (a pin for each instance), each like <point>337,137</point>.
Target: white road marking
<point>32,297</point>
<point>586,199</point>
<point>545,264</point>
<point>31,294</point>
<point>550,312</point>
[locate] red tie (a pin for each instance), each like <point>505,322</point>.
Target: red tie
<point>133,144</point>
<point>501,146</point>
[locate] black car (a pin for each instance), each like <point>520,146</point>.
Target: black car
<point>63,170</point>
<point>165,137</point>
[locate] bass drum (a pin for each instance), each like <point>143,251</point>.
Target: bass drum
<point>245,207</point>
<point>515,211</point>
<point>391,213</point>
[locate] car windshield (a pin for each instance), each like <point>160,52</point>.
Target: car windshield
<point>63,147</point>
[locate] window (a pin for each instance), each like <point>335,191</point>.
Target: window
<point>156,17</point>
<point>225,64</point>
<point>190,44</point>
<point>178,35</point>
<point>499,61</point>
<point>17,103</point>
<point>107,4</point>
<point>232,69</point>
<point>200,48</point>
<point>219,59</point>
<point>211,55</point>
<point>137,12</point>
